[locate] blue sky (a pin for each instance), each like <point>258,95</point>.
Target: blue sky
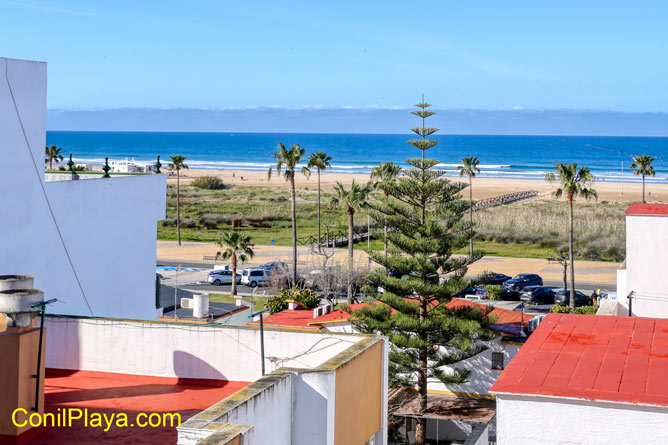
<point>217,54</point>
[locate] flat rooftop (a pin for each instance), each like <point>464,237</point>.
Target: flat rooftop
<point>592,357</point>
<point>112,393</point>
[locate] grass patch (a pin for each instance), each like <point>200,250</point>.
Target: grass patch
<point>524,230</point>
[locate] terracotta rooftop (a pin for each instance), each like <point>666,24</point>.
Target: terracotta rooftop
<point>510,322</point>
<point>111,393</point>
<point>647,209</point>
<point>605,358</point>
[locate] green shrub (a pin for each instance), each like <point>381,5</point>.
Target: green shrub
<point>209,183</point>
<point>494,292</point>
<point>306,297</point>
<point>560,309</point>
<point>211,220</point>
<point>276,304</point>
<point>578,310</point>
<point>591,310</point>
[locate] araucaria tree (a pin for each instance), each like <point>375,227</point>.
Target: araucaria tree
<point>642,166</point>
<point>320,161</point>
<point>573,182</point>
<point>469,168</point>
<point>236,247</point>
<point>178,163</point>
<point>52,153</point>
<point>385,172</point>
<point>352,200</point>
<point>425,213</point>
<point>287,162</point>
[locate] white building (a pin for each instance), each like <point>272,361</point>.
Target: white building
<point>320,388</point>
<point>90,244</point>
<point>587,379</point>
<point>131,166</point>
<point>644,275</point>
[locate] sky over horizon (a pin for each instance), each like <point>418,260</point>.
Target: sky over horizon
<point>463,55</point>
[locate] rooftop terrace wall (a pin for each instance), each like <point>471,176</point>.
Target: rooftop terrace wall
<point>93,238</point>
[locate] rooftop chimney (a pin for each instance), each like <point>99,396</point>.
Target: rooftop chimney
<point>19,344</point>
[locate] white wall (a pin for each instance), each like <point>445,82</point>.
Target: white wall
<point>482,375</point>
<point>313,416</point>
<point>532,420</point>
<point>270,413</point>
<point>172,350</point>
<point>109,225</point>
<point>646,270</point>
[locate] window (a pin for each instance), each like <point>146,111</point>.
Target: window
<point>497,360</point>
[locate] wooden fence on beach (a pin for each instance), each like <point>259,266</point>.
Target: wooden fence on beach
<point>505,199</point>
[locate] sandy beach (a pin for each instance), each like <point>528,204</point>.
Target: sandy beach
<point>482,187</point>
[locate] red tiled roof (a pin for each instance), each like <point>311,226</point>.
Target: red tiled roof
<point>647,209</point>
<point>605,358</point>
<point>338,314</point>
<point>298,318</point>
<point>112,393</point>
<point>507,321</point>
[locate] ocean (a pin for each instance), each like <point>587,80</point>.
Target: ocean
<point>527,157</point>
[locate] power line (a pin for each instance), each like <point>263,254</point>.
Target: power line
<point>41,183</point>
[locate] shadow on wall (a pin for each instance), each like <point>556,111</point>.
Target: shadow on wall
<point>188,367</point>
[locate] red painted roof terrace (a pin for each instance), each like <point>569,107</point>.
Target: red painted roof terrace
<point>111,393</point>
<point>640,209</point>
<point>604,358</point>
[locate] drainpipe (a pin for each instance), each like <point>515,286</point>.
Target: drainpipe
<point>630,298</point>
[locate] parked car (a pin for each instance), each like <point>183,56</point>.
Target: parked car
<point>281,266</point>
<point>509,295</point>
<point>254,277</point>
<point>563,297</point>
<point>519,282</point>
<point>220,277</point>
<point>498,279</point>
<point>474,291</point>
<point>537,294</point>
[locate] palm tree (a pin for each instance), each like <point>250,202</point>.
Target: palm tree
<point>384,173</point>
<point>320,161</point>
<point>288,160</point>
<point>53,154</point>
<point>573,182</point>
<point>237,247</point>
<point>178,163</point>
<point>469,167</point>
<point>642,165</point>
<point>352,199</point>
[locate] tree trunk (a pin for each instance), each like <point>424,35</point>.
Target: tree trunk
<point>471,214</point>
<point>643,189</point>
<point>351,215</point>
<point>421,428</point>
<point>294,228</point>
<point>319,241</point>
<point>50,163</point>
<point>234,274</point>
<point>570,253</point>
<point>178,207</point>
<point>565,275</point>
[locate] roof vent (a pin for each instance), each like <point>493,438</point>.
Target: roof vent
<point>17,297</point>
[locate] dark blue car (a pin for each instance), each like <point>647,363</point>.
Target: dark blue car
<point>519,282</point>
<point>497,279</point>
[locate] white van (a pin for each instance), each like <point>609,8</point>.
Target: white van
<point>255,277</point>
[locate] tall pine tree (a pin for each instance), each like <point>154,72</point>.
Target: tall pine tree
<point>424,212</point>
